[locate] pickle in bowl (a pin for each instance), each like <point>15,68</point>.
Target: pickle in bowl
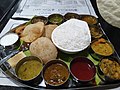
<point>55,18</point>
<point>96,31</point>
<point>68,16</point>
<point>39,19</point>
<point>91,20</point>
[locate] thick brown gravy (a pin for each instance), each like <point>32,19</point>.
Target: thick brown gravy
<point>56,74</point>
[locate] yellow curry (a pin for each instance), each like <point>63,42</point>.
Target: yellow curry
<point>29,69</point>
<point>102,47</point>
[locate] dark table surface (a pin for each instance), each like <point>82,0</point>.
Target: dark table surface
<point>113,34</point>
<point>7,9</point>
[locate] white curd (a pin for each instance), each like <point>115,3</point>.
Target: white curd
<point>9,39</point>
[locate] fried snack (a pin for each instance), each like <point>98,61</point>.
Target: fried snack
<point>48,30</point>
<point>19,29</point>
<point>15,59</point>
<point>110,68</point>
<point>43,48</point>
<point>32,32</point>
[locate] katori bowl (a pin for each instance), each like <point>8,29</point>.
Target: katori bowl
<point>82,69</point>
<point>28,70</point>
<point>56,74</point>
<point>109,69</point>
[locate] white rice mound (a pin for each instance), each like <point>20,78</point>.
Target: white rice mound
<point>72,35</point>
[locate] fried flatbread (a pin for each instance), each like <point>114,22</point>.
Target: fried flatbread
<point>19,29</point>
<point>43,48</point>
<point>48,30</point>
<point>32,32</point>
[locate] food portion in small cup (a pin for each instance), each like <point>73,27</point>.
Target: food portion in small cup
<point>36,19</point>
<point>91,20</point>
<point>55,73</point>
<point>28,70</point>
<point>55,18</point>
<point>110,68</point>
<point>69,15</point>
<point>96,31</point>
<point>100,48</point>
<point>82,69</point>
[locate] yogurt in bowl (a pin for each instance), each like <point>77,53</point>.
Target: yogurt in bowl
<point>72,36</point>
<point>10,41</point>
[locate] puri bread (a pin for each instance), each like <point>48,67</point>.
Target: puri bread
<point>110,11</point>
<point>48,30</point>
<point>32,32</point>
<point>43,48</point>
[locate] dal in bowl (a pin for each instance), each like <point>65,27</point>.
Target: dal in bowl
<point>28,70</point>
<point>102,47</point>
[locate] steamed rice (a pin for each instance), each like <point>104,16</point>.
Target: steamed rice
<point>72,35</point>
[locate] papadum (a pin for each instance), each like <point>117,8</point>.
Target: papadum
<point>110,11</point>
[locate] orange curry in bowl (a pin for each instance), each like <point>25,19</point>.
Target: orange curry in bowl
<point>102,47</point>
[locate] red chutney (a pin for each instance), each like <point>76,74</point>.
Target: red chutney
<point>82,70</point>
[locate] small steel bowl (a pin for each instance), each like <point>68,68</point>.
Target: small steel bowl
<point>96,31</point>
<point>68,16</point>
<point>98,51</point>
<point>109,66</point>
<point>56,74</point>
<point>55,18</point>
<point>21,74</point>
<point>82,70</point>
<point>10,41</point>
<point>39,19</point>
<point>91,20</point>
